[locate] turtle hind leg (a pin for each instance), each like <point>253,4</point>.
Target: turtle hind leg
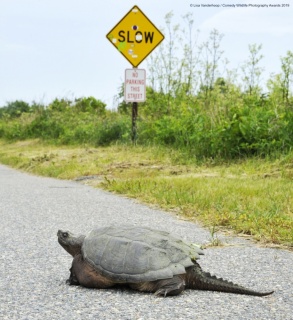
<point>165,287</point>
<point>170,287</point>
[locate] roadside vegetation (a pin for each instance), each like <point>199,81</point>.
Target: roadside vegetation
<point>251,196</point>
<point>213,144</point>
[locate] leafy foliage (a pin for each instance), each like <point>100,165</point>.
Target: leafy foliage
<point>83,121</point>
<point>194,103</point>
<point>14,109</point>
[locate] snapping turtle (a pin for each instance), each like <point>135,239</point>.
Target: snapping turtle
<point>143,258</point>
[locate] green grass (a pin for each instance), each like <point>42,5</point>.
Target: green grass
<point>253,196</point>
<point>258,207</point>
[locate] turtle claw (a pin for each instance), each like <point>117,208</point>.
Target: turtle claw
<point>162,292</point>
<point>72,281</point>
<point>172,291</point>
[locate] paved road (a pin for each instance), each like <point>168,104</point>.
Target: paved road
<point>34,268</point>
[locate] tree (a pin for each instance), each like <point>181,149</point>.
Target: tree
<point>251,69</point>
<point>190,56</point>
<point>211,55</point>
<point>287,73</point>
<point>279,84</point>
<point>165,68</point>
<point>15,109</point>
<point>90,104</point>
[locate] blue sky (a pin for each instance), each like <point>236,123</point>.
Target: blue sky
<point>58,48</point>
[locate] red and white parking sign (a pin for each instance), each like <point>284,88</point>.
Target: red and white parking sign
<point>135,85</point>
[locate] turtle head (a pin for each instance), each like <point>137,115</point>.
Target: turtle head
<point>70,242</point>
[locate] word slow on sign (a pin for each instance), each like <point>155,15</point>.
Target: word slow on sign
<point>138,36</point>
<point>135,85</point>
<point>135,36</point>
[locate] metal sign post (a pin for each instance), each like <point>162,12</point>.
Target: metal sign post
<point>134,117</point>
<point>135,37</point>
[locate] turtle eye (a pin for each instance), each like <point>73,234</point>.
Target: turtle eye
<point>65,234</point>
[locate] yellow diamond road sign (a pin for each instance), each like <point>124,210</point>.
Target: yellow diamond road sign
<point>135,36</point>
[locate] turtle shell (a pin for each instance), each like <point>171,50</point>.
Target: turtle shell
<point>137,254</point>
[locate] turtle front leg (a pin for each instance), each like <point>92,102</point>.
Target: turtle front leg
<point>72,278</point>
<point>82,273</point>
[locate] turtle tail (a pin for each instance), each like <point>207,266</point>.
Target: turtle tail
<point>200,280</point>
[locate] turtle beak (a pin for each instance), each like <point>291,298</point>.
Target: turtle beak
<point>59,235</point>
<point>62,237</point>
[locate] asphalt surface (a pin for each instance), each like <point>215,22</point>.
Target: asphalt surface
<point>34,267</point>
